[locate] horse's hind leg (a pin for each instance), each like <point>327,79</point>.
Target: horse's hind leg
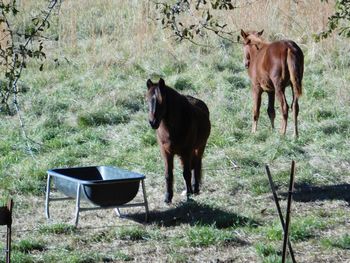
<point>256,107</point>
<point>284,108</point>
<point>186,161</point>
<point>271,108</point>
<point>295,116</point>
<point>197,173</point>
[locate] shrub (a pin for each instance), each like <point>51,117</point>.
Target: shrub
<point>103,118</point>
<point>183,84</point>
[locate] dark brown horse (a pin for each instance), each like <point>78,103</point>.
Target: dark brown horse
<point>183,127</point>
<point>272,67</point>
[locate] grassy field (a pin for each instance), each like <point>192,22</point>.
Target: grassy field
<point>87,108</point>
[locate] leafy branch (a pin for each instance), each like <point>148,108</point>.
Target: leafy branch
<point>339,21</point>
<point>16,48</point>
<point>193,20</point>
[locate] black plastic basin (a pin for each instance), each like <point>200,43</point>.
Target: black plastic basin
<point>104,186</point>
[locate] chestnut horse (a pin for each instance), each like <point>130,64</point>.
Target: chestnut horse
<point>183,127</point>
<point>272,67</point>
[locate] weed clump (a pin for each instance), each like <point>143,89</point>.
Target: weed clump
<point>342,242</point>
<point>26,246</point>
<point>57,229</point>
<point>183,84</point>
<point>133,234</point>
<point>204,236</point>
<point>102,118</point>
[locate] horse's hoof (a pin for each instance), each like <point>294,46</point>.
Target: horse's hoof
<point>168,198</point>
<point>196,192</point>
<point>189,198</point>
<point>167,201</point>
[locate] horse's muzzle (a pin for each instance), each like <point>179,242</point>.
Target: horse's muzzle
<point>154,124</point>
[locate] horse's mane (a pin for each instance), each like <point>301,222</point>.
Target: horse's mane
<point>171,93</point>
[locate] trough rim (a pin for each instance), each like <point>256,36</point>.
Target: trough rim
<point>54,172</point>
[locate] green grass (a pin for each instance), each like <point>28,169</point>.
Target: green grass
<point>301,229</point>
<point>103,118</point>
<point>177,257</point>
<point>21,257</point>
<point>342,242</point>
<point>268,253</point>
<point>27,246</point>
<point>133,234</point>
<point>57,229</point>
<point>122,256</point>
<point>205,236</point>
<point>182,84</point>
<point>23,250</point>
<point>75,257</point>
<point>103,236</point>
<point>91,110</point>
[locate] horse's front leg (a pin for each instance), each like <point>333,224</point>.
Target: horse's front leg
<point>169,177</point>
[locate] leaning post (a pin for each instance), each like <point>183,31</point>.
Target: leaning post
<point>289,203</point>
<point>275,197</point>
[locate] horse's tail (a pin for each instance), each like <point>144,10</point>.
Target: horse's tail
<point>295,62</point>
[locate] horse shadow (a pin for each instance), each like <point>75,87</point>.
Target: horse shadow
<point>194,213</point>
<point>308,193</point>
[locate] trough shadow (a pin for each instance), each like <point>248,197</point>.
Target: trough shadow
<point>309,193</point>
<point>194,213</point>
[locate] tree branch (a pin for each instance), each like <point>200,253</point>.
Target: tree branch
<point>18,62</point>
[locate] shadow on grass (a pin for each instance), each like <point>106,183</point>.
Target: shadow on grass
<point>194,213</point>
<point>309,193</point>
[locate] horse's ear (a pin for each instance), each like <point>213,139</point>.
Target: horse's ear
<point>243,34</point>
<point>159,89</point>
<point>161,83</point>
<point>260,33</point>
<point>149,83</point>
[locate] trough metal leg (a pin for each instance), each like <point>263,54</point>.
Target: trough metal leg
<point>145,199</point>
<point>47,212</point>
<point>77,205</point>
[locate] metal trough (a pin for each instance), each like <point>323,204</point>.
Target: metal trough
<point>103,186</point>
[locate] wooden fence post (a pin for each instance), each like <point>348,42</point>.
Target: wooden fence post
<point>6,219</point>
